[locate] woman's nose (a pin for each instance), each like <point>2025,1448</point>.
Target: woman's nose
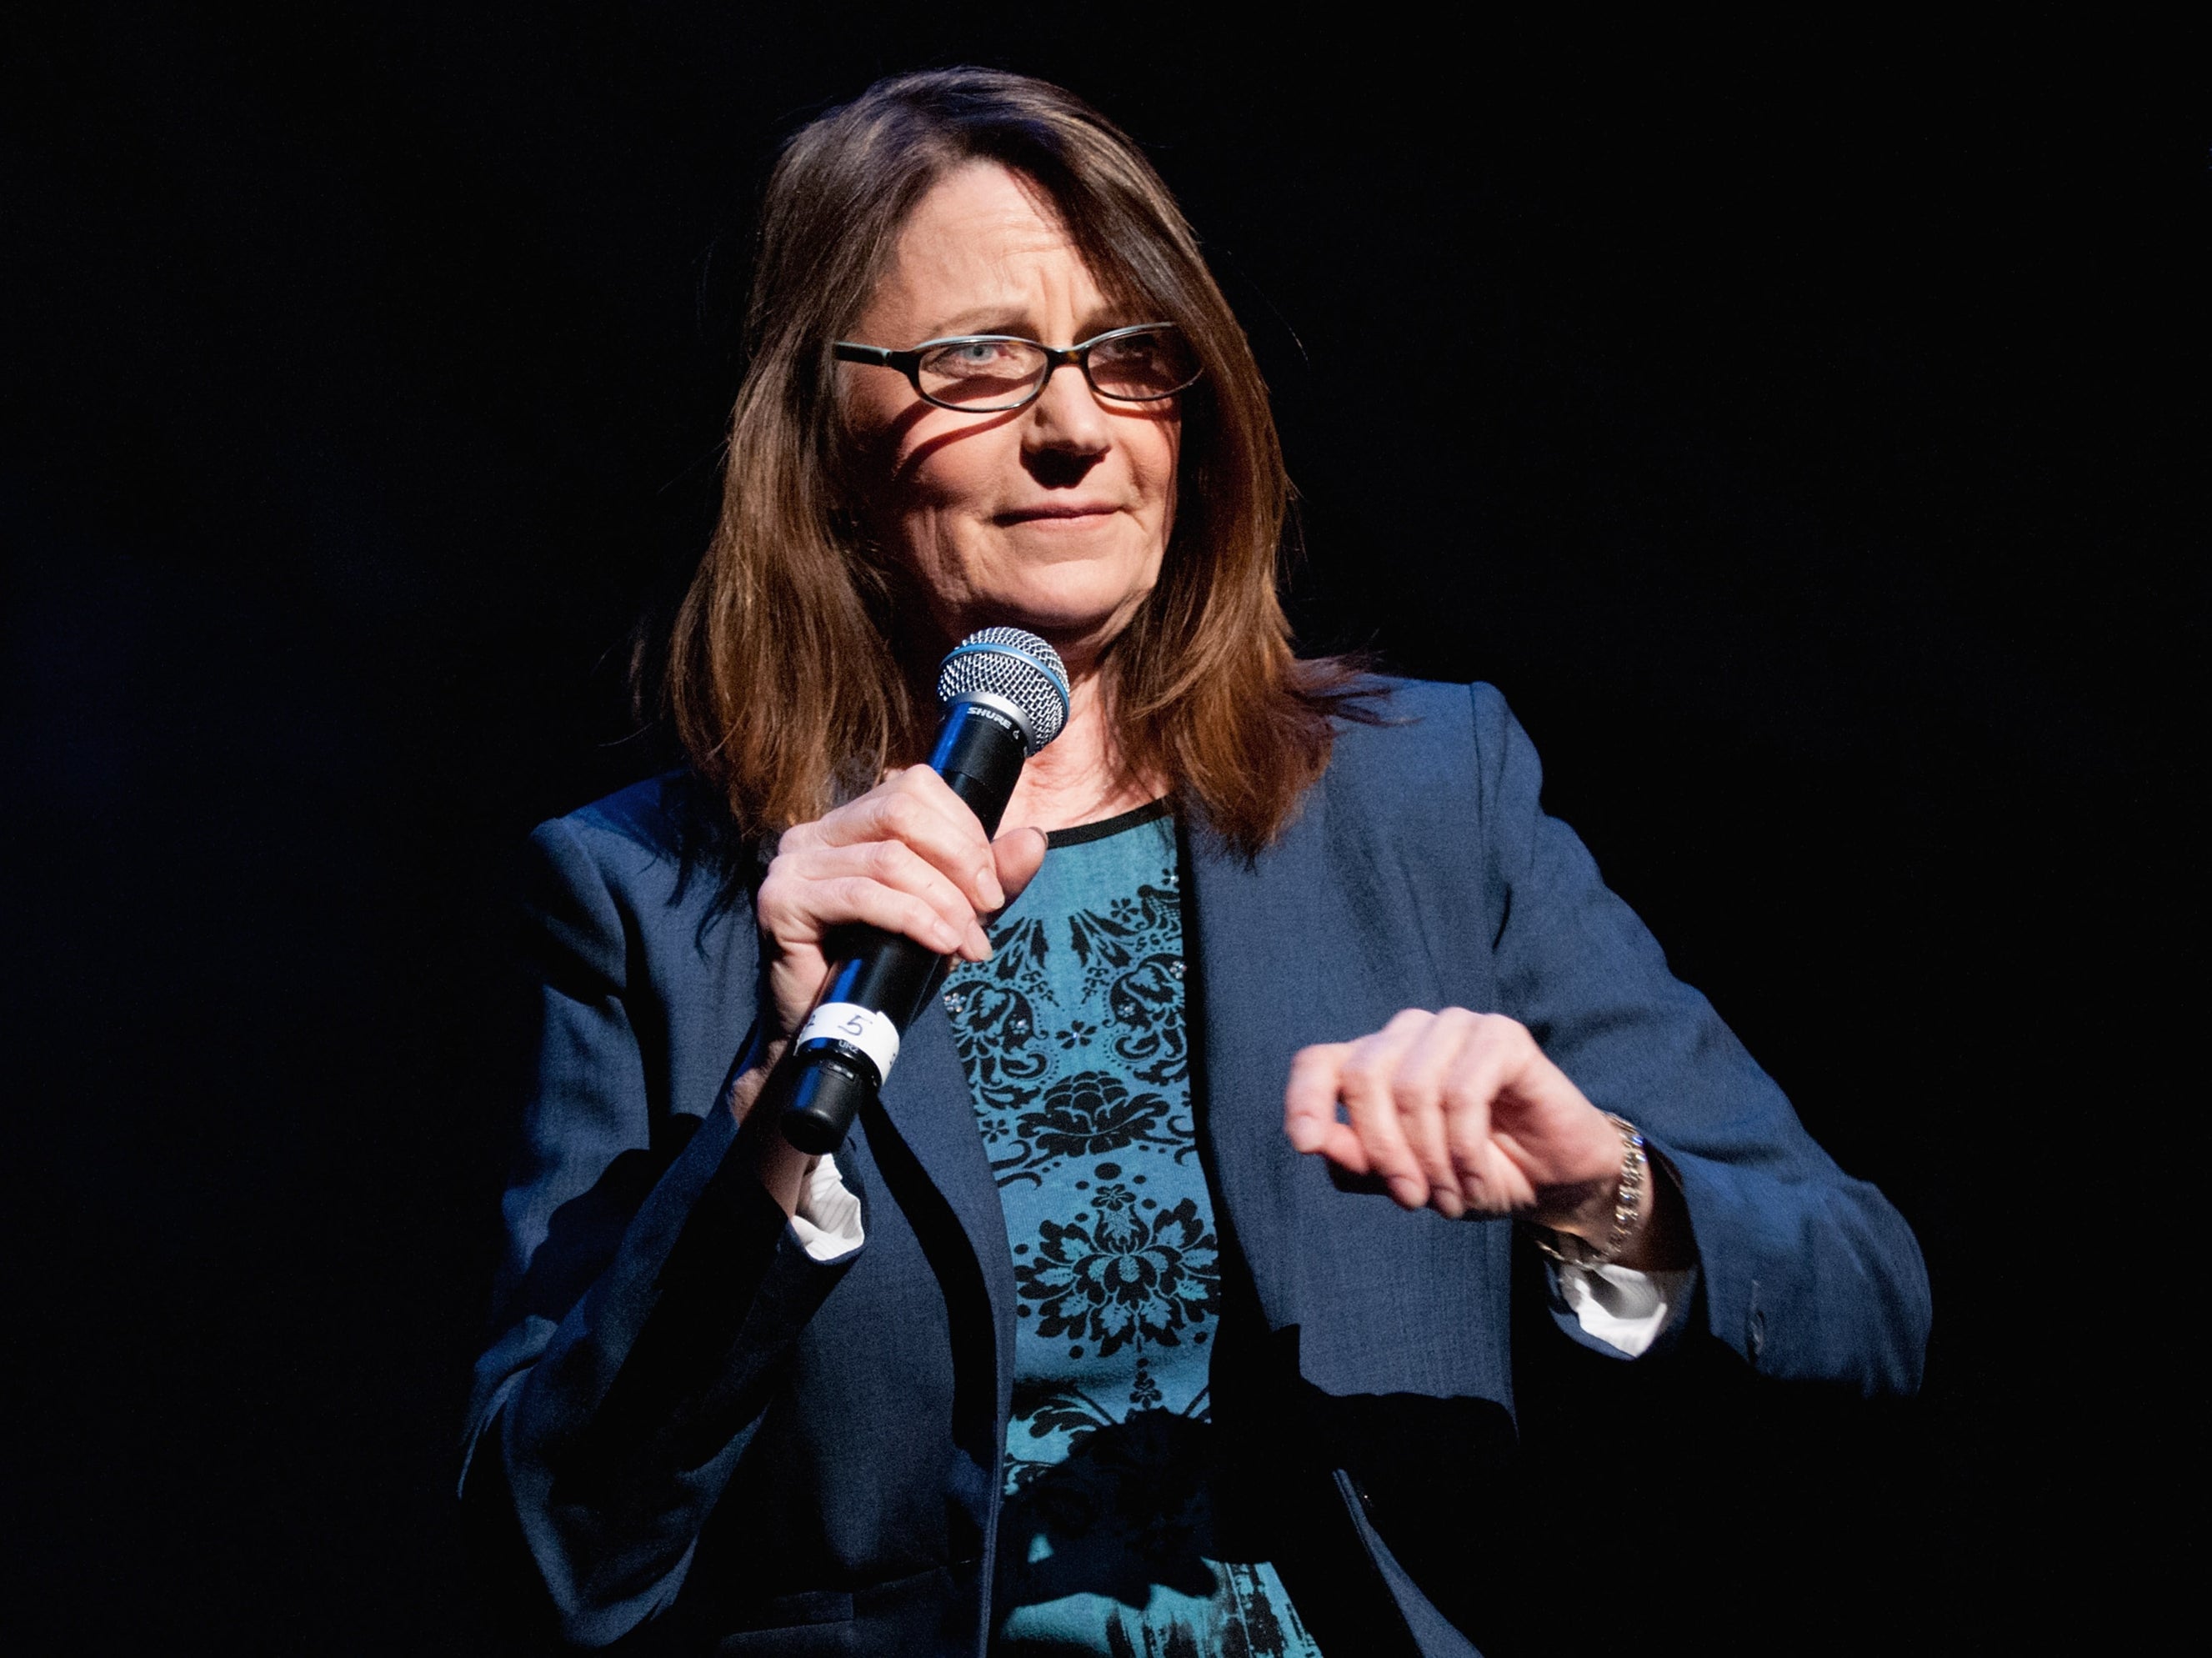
<point>1066,417</point>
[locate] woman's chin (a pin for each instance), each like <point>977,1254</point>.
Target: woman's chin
<point>1076,601</point>
<point>1078,591</point>
<point>1077,624</point>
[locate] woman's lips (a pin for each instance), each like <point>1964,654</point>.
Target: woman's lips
<point>1075,515</point>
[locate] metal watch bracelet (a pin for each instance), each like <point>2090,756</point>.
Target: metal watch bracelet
<point>1569,1250</point>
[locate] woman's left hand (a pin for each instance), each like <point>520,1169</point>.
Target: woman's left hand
<point>1462,1113</point>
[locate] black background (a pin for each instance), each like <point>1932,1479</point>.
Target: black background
<point>1805,431</point>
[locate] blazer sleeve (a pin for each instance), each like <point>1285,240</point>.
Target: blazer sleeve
<point>649,1287</point>
<point>1806,1272</point>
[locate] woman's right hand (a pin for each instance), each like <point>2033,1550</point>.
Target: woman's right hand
<point>908,857</point>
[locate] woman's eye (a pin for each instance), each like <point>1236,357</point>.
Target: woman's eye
<point>978,354</point>
<point>1142,351</point>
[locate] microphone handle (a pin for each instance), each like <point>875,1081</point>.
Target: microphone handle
<point>822,1083</point>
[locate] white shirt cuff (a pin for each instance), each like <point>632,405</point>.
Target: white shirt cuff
<point>1621,1307</point>
<point>827,1221</point>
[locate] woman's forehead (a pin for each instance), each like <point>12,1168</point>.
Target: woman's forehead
<point>980,245</point>
<point>984,199</point>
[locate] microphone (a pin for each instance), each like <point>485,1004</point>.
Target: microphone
<point>1004,696</point>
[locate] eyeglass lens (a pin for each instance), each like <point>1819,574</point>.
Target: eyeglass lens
<point>989,374</point>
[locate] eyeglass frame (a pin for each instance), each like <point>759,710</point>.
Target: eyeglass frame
<point>908,362</point>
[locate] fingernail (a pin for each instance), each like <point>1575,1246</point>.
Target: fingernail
<point>1409,1192</point>
<point>987,882</point>
<point>1302,1137</point>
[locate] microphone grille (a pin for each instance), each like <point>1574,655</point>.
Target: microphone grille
<point>1016,666</point>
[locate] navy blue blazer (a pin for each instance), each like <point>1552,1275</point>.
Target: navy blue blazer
<point>687,1431</point>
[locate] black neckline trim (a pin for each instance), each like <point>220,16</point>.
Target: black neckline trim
<point>1149,813</point>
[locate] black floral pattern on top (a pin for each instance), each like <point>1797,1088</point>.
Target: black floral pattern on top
<point>1125,961</point>
<point>1086,1115</point>
<point>1073,1038</point>
<point>1121,1278</point>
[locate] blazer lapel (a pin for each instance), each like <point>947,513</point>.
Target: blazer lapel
<point>1282,964</point>
<point>928,1102</point>
<point>1311,943</point>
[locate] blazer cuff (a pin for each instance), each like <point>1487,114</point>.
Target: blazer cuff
<point>1814,1276</point>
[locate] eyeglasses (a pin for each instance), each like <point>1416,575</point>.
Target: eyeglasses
<point>985,374</point>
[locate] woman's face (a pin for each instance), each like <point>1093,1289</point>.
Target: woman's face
<point>1054,517</point>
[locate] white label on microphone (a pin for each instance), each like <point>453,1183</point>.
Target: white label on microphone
<point>871,1032</point>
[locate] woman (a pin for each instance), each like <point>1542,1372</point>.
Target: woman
<point>1102,1333</point>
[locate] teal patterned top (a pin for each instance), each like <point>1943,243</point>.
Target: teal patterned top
<point>1073,1040</point>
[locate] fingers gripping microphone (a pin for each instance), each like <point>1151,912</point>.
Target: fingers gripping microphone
<point>1005,696</point>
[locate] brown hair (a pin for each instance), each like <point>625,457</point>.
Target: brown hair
<point>790,685</point>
